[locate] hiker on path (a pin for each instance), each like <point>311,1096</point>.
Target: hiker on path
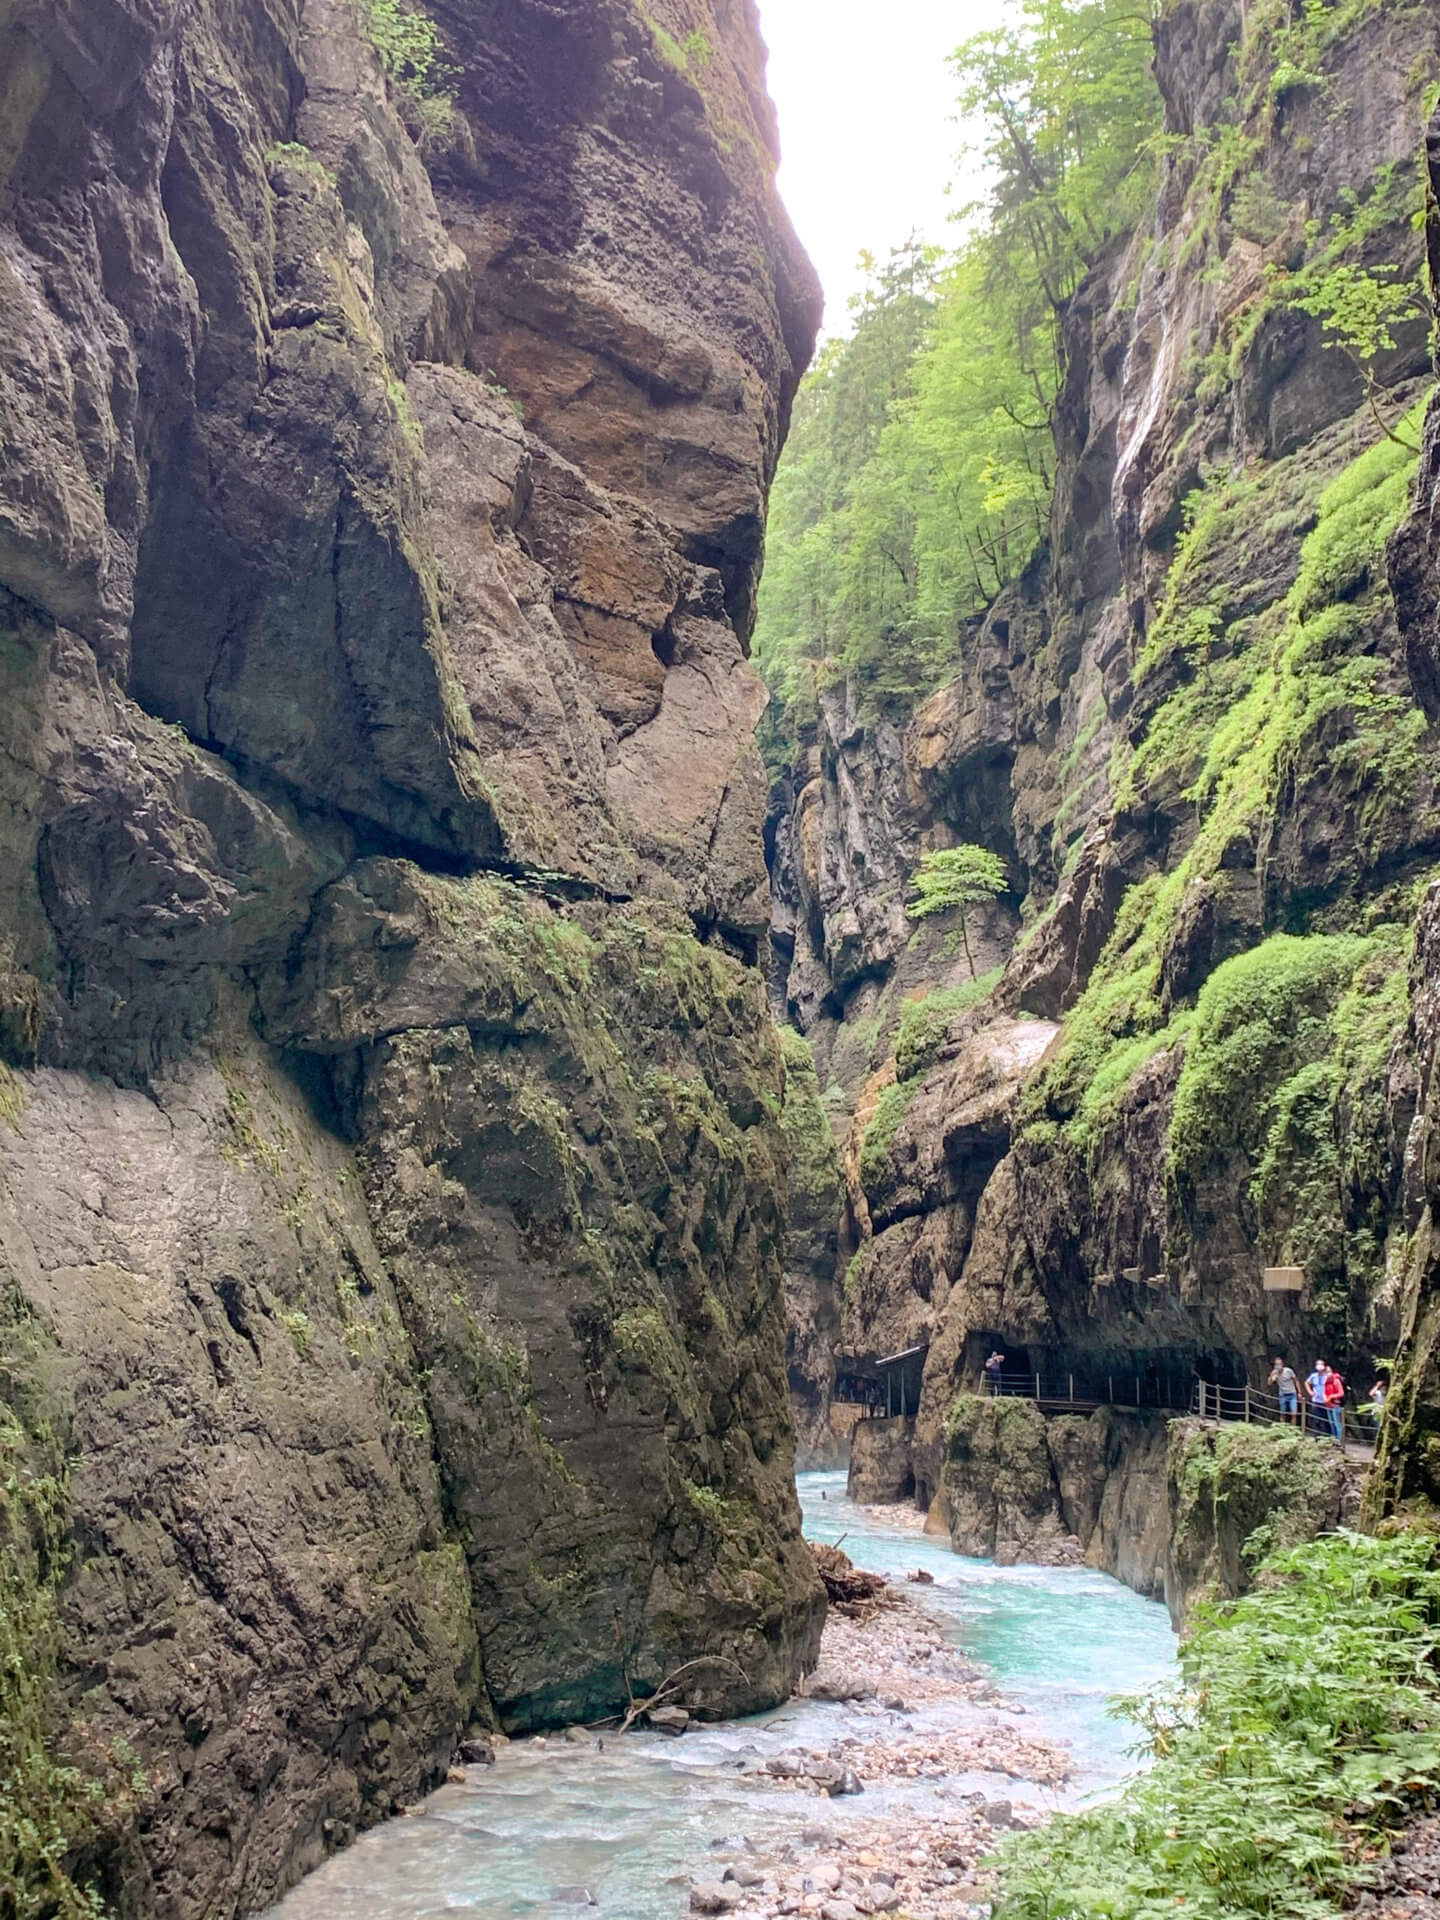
<point>1327,1393</point>
<point>1375,1411</point>
<point>993,1369</point>
<point>1286,1382</point>
<point>1319,1421</point>
<point>1335,1405</point>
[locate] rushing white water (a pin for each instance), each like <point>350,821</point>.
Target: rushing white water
<point>632,1823</point>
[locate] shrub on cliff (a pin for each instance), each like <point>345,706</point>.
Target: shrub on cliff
<point>1305,1722</point>
<point>814,1154</point>
<point>925,1022</point>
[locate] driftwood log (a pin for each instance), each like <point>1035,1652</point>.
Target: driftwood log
<point>849,1589</point>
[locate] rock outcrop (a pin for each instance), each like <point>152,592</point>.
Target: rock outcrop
<point>392,1180</point>
<point>1408,1470</point>
<point>1021,1485</point>
<point>1181,1510</point>
<point>1236,1494</point>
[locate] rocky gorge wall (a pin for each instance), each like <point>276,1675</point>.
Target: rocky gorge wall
<point>1199,732</point>
<point>392,1169</point>
<point>1181,1510</point>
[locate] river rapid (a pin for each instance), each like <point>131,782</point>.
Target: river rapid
<point>633,1823</point>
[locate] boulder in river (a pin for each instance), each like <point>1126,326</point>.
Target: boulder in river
<point>711,1896</point>
<point>671,1720</point>
<point>830,1684</point>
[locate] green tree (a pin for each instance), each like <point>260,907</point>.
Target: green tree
<point>918,475</point>
<point>953,879</point>
<point>1360,308</point>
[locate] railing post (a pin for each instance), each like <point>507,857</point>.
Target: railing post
<point>1247,1404</point>
<point>1110,1388</point>
<point>1137,1389</point>
<point>1037,1385</point>
<point>1072,1389</point>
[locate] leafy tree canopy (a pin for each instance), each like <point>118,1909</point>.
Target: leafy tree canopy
<point>917,479</point>
<point>952,880</point>
<point>956,877</point>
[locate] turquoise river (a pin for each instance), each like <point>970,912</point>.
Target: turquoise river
<point>632,1823</point>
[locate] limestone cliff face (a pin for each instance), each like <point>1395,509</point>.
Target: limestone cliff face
<point>391,1171</point>
<point>1408,1470</point>
<point>1181,1510</point>
<point>1201,720</point>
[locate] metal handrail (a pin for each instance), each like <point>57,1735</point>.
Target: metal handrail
<point>1116,1390</point>
<point>1256,1406</point>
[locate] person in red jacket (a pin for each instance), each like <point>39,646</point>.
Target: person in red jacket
<point>1326,1399</point>
<point>1334,1405</point>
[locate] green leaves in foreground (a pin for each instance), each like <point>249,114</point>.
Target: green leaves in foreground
<point>1306,1721</point>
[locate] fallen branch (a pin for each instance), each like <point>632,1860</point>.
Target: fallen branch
<point>639,1708</point>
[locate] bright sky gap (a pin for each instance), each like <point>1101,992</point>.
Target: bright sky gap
<point>868,126</point>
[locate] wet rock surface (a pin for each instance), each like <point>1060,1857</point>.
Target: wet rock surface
<point>391,1179</point>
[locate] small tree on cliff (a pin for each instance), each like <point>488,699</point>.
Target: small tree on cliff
<point>953,879</point>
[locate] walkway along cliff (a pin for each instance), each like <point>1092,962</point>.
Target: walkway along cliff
<point>392,1184</point>
<point>1198,727</point>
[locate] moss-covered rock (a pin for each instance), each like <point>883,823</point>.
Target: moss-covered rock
<point>575,1159</point>
<point>812,1281</point>
<point>1237,1494</point>
<point>1022,1485</point>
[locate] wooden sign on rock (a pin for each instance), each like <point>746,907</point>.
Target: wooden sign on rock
<point>1284,1279</point>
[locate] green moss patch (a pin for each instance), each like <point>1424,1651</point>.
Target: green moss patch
<point>1271,699</point>
<point>51,1808</point>
<point>890,1109</point>
<point>925,1022</point>
<point>814,1153</point>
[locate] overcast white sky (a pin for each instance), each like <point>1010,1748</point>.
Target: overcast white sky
<point>866,107</point>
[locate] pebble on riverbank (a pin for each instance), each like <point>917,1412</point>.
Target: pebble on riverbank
<point>892,1660</point>
<point>926,1868</point>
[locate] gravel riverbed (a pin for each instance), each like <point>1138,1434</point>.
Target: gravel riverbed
<point>964,1700</point>
<point>924,1859</point>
